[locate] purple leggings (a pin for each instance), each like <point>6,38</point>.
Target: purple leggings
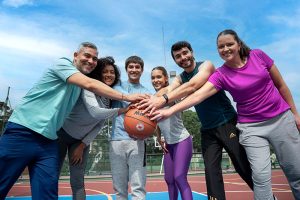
<point>176,166</point>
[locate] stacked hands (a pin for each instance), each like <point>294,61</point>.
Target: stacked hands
<point>152,105</point>
<point>149,105</point>
<point>134,97</point>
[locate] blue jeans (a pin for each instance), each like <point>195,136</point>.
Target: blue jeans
<point>21,147</point>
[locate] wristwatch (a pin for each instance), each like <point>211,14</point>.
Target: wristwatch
<point>166,97</point>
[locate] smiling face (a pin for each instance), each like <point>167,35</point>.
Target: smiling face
<point>158,79</point>
<point>184,58</point>
<point>228,48</point>
<point>134,72</point>
<point>108,75</point>
<point>86,59</point>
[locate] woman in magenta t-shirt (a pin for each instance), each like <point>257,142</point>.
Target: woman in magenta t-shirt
<point>266,111</point>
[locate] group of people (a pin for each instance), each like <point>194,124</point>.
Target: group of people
<point>67,107</point>
<point>62,112</point>
<point>266,114</point>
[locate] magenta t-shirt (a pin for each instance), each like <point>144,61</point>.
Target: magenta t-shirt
<point>252,88</point>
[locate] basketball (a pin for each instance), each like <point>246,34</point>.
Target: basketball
<point>138,125</point>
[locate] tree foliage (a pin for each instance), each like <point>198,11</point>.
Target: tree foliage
<point>193,125</point>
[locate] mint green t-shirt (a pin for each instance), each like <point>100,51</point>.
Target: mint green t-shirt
<point>47,104</point>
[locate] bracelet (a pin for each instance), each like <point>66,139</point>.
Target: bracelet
<point>166,97</point>
<point>122,96</point>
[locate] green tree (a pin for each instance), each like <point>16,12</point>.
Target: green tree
<point>192,124</point>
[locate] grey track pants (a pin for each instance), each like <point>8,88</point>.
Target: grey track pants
<point>281,132</point>
<point>127,165</point>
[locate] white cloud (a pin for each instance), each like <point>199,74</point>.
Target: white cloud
<point>287,59</point>
<point>292,80</point>
<point>36,46</point>
<point>285,46</point>
<point>17,3</point>
<point>27,48</point>
<point>30,38</point>
<point>291,20</point>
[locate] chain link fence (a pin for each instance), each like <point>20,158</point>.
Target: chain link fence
<point>98,161</point>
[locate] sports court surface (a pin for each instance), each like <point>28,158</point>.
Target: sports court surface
<point>101,189</point>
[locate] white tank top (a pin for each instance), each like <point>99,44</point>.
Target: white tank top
<point>173,129</point>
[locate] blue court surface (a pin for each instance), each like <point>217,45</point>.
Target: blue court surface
<point>150,196</point>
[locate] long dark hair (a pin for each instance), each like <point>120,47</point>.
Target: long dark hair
<point>164,72</point>
<point>98,71</point>
<point>245,50</point>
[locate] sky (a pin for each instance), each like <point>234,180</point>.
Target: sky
<point>34,33</point>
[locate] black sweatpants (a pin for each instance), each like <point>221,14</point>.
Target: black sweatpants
<point>213,141</point>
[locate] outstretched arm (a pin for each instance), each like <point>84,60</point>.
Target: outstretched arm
<point>157,101</point>
<point>177,90</point>
<point>172,86</point>
<point>95,109</point>
<point>284,91</point>
<point>200,95</point>
<point>205,70</point>
<point>102,89</point>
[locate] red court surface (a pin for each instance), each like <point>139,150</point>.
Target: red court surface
<point>235,187</point>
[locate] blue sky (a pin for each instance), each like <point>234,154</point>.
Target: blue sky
<point>34,33</point>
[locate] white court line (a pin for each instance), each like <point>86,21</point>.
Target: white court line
<point>250,191</point>
<point>98,191</point>
<point>285,184</point>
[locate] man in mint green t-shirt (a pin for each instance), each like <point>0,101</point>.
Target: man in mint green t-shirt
<point>30,136</point>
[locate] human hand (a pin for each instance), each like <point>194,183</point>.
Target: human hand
<point>297,121</point>
<point>161,114</point>
<point>132,106</point>
<point>151,104</point>
<point>76,157</point>
<point>162,144</point>
<point>125,110</point>
<point>135,97</point>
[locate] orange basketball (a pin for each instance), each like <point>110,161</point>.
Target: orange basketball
<point>138,125</point>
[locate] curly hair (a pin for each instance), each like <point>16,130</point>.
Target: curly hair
<point>98,71</point>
